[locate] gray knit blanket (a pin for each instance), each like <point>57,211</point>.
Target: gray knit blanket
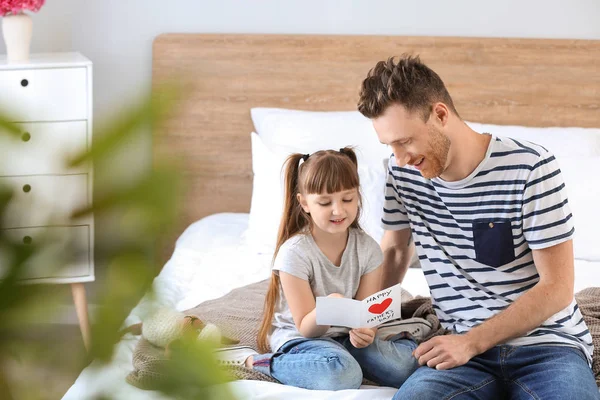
<point>588,301</point>
<point>238,314</point>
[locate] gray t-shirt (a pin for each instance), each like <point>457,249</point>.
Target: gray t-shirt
<point>301,257</point>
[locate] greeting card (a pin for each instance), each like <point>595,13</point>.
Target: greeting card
<point>367,313</point>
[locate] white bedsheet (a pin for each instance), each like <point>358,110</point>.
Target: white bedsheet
<point>209,260</point>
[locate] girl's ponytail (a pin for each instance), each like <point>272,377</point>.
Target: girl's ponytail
<point>293,219</point>
<point>348,151</point>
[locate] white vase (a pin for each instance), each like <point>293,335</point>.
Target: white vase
<point>16,29</point>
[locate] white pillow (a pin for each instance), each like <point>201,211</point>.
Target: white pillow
<point>213,231</point>
<point>562,142</point>
<point>267,196</point>
<point>581,181</point>
<point>309,131</point>
<point>577,151</point>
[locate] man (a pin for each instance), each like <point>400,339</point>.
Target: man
<point>493,231</point>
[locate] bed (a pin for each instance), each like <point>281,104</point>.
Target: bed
<point>539,89</point>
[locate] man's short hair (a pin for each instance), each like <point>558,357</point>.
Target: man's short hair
<point>407,82</point>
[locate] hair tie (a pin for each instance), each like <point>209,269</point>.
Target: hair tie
<point>343,150</point>
<point>305,157</point>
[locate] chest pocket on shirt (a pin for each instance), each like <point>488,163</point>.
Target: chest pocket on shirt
<point>493,242</point>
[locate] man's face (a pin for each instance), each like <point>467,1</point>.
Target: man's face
<point>414,142</point>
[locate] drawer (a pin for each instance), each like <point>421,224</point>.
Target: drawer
<point>64,253</point>
<point>44,94</point>
<point>43,200</point>
<point>43,148</point>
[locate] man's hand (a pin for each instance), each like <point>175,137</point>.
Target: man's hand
<point>362,337</point>
<point>445,352</point>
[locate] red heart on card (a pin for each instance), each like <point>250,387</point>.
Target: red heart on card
<point>380,307</point>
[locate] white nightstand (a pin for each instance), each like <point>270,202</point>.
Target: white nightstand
<point>50,99</point>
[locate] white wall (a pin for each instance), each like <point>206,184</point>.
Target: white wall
<point>117,35</point>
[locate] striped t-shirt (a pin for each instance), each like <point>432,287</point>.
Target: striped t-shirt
<point>474,236</point>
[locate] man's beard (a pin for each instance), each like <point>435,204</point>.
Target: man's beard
<point>437,156</point>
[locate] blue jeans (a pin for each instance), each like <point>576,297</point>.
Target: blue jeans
<point>508,372</point>
<point>335,364</point>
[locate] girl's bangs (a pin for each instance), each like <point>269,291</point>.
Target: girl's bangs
<point>331,175</point>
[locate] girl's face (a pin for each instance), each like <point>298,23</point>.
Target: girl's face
<point>331,212</point>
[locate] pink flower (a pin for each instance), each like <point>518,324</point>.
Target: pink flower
<point>17,6</point>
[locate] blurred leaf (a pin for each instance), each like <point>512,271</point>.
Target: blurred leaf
<point>9,128</point>
<point>128,279</point>
<point>136,213</point>
<point>159,204</point>
<point>193,370</point>
<point>109,138</point>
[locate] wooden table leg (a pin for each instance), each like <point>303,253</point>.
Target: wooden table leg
<point>79,299</point>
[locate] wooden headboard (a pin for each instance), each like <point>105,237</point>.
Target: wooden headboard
<point>501,81</point>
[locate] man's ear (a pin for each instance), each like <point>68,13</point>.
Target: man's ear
<point>441,113</point>
<point>302,200</point>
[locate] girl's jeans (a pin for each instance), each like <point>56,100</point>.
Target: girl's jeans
<point>335,364</point>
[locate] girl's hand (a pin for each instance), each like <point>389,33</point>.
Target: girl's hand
<point>336,295</point>
<point>362,337</point>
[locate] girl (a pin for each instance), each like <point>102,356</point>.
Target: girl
<point>321,251</point>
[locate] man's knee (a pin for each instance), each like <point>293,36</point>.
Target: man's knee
<point>430,384</point>
<point>423,384</point>
<point>541,377</point>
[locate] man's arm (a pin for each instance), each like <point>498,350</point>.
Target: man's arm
<point>551,294</point>
<point>398,249</point>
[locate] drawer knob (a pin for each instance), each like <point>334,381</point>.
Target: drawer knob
<point>24,82</point>
<point>26,188</point>
<point>26,136</point>
<point>27,240</point>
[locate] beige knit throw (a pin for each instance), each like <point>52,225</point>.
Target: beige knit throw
<point>588,301</point>
<point>238,314</point>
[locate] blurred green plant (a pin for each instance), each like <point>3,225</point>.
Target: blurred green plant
<point>131,216</point>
